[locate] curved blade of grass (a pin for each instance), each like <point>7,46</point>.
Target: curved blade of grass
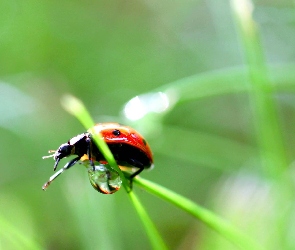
<point>213,83</point>
<point>75,107</point>
<point>218,224</point>
<point>225,81</point>
<point>151,230</point>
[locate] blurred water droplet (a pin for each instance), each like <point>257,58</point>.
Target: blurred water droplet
<point>104,180</point>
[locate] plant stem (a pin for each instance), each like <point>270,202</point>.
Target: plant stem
<point>221,226</point>
<point>151,230</point>
<point>267,124</point>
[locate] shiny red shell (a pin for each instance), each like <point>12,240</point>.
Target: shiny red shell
<point>126,135</point>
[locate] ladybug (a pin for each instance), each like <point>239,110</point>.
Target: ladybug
<point>129,148</point>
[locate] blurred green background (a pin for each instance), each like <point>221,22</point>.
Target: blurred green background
<point>205,146</point>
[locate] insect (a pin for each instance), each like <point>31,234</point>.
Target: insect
<point>130,150</point>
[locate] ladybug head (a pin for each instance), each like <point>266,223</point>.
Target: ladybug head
<point>64,150</point>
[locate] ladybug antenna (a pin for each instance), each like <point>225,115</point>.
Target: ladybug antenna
<point>49,156</point>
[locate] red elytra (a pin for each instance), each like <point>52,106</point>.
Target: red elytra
<point>128,135</point>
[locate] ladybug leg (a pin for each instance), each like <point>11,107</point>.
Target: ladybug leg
<point>137,172</point>
<point>135,164</point>
<point>67,166</point>
<point>134,174</point>
<point>89,144</point>
<point>71,163</point>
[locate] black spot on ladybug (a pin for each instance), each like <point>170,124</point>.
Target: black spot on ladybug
<point>144,141</point>
<point>116,132</point>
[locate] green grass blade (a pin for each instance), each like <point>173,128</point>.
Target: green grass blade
<point>151,230</point>
<point>268,128</point>
<point>207,217</point>
<point>225,81</point>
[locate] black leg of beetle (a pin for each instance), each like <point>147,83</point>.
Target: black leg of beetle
<point>55,165</point>
<point>134,174</point>
<point>137,164</point>
<point>67,166</point>
<point>88,141</point>
<point>72,162</point>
